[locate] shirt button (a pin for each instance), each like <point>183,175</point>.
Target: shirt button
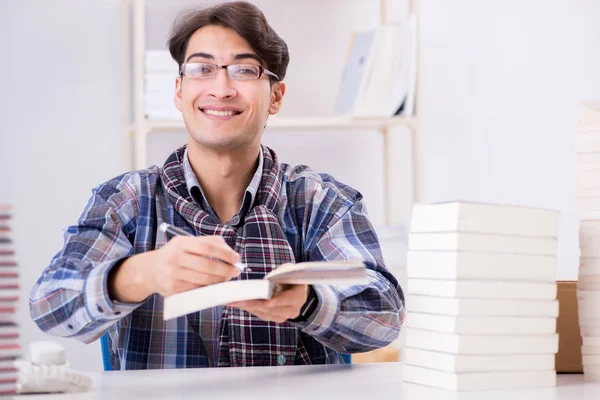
<point>281,359</point>
<point>99,308</point>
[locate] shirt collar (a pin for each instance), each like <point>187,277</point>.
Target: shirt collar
<point>197,193</point>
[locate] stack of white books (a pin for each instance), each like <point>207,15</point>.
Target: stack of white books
<point>161,72</point>
<point>10,347</point>
<point>588,286</point>
<point>481,297</point>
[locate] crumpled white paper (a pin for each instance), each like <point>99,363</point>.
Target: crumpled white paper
<point>48,377</point>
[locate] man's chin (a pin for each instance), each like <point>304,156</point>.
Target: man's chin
<point>220,143</point>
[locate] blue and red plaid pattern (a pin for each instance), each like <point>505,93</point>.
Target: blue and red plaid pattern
<point>302,216</point>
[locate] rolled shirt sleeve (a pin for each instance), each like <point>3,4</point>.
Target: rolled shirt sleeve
<point>71,298</point>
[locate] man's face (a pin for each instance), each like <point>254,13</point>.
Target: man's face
<point>221,113</point>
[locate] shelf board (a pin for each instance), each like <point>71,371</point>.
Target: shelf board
<point>338,122</point>
<point>594,105</point>
<point>300,123</point>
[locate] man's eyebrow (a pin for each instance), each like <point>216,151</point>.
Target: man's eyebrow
<point>203,55</point>
<point>240,56</point>
<point>243,56</point>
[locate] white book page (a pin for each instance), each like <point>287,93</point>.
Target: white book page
<point>210,296</point>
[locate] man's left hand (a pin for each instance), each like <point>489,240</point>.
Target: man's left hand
<point>285,304</point>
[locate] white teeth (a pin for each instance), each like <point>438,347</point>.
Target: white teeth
<point>220,113</point>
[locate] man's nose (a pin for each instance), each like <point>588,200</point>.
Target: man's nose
<point>221,86</point>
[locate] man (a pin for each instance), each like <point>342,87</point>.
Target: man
<point>241,203</point>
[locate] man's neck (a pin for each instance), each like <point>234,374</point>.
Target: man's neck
<point>223,176</point>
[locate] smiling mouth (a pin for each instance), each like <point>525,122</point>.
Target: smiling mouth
<point>218,113</point>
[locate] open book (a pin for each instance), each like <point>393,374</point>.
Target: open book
<point>344,272</point>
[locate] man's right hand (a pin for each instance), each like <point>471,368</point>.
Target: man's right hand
<point>184,263</point>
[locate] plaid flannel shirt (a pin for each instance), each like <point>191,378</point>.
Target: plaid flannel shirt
<point>71,298</point>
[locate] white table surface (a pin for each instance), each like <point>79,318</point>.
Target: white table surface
<point>377,381</point>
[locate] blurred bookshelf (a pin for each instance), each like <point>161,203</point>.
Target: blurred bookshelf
<point>137,127</point>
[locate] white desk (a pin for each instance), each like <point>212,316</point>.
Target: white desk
<point>379,381</point>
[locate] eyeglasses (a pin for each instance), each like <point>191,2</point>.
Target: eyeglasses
<point>239,72</point>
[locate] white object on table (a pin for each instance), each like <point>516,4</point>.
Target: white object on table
<point>46,352</point>
<point>47,371</point>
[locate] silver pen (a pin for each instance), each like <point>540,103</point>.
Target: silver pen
<point>175,231</point>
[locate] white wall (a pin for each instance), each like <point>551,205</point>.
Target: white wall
<point>500,85</point>
<point>59,135</point>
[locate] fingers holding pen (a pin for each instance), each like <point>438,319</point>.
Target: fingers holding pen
<point>188,262</point>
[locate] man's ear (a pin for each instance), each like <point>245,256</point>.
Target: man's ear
<point>277,93</point>
<point>178,93</point>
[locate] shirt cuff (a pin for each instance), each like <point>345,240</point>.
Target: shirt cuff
<point>98,304</point>
<point>326,312</point>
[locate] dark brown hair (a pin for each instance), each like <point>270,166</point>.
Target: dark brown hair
<point>244,18</point>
